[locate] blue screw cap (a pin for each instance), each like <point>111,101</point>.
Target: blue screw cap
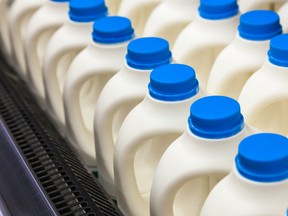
<point>259,25</point>
<point>148,53</point>
<point>86,10</point>
<point>263,157</point>
<point>215,117</point>
<point>173,82</point>
<point>216,10</point>
<point>112,30</point>
<point>278,53</point>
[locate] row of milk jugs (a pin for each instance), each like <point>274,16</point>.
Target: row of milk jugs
<point>129,97</point>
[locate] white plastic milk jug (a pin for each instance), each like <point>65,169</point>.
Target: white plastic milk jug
<point>246,53</point>
<point>44,22</point>
<point>148,130</point>
<point>138,11</point>
<point>169,18</point>
<point>113,6</point>
<point>258,184</point>
<point>201,41</point>
<point>264,97</point>
<point>248,5</point>
<point>19,15</point>
<point>196,161</point>
<point>63,46</point>
<point>120,95</point>
<point>4,29</point>
<point>86,76</point>
<point>283,13</point>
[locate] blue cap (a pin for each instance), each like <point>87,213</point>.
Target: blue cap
<point>263,157</point>
<point>173,82</point>
<point>215,117</point>
<point>112,29</point>
<point>259,25</point>
<point>218,9</point>
<point>278,53</point>
<point>86,10</point>
<point>148,53</point>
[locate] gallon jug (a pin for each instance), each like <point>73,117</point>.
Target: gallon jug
<point>4,30</point>
<point>198,159</point>
<point>200,42</point>
<point>113,6</point>
<point>138,11</point>
<point>175,15</point>
<point>148,130</point>
<point>246,53</point>
<point>85,78</point>
<point>258,184</point>
<point>248,5</point>
<point>120,95</point>
<point>64,45</point>
<point>283,13</point>
<point>264,97</point>
<point>44,22</point>
<point>19,15</point>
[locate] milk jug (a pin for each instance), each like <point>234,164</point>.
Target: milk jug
<point>175,15</point>
<point>86,76</point>
<point>44,22</point>
<point>213,28</point>
<point>198,159</point>
<point>19,15</point>
<point>138,11</point>
<point>63,46</point>
<point>246,53</point>
<point>148,130</point>
<point>258,184</point>
<point>4,30</point>
<point>263,98</point>
<point>120,95</point>
<point>248,5</point>
<point>113,6</point>
<point>283,13</point>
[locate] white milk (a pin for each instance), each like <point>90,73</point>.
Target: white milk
<point>169,18</point>
<point>138,11</point>
<point>147,132</point>
<point>4,30</point>
<point>258,184</point>
<point>113,6</point>
<point>201,41</point>
<point>19,15</point>
<point>64,45</point>
<point>245,55</point>
<point>120,95</point>
<point>87,75</point>
<point>283,13</point>
<point>196,161</point>
<point>248,5</point>
<point>44,22</point>
<point>264,97</point>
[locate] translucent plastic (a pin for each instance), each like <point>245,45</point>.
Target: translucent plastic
<point>4,30</point>
<point>247,5</point>
<point>283,13</point>
<point>113,6</point>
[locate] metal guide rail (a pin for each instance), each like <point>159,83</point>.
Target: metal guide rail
<point>62,180</point>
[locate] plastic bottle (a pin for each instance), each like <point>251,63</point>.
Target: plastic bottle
<point>246,53</point>
<point>247,5</point>
<point>19,15</point>
<point>148,130</point>
<point>263,98</point>
<point>4,30</point>
<point>175,16</point>
<point>258,184</point>
<point>64,45</point>
<point>44,22</point>
<point>120,95</point>
<point>138,12</point>
<point>87,75</point>
<point>283,13</point>
<point>113,6</point>
<point>200,42</point>
<point>197,160</point>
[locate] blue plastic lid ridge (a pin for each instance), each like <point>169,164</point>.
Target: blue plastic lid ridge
<point>263,157</point>
<point>278,53</point>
